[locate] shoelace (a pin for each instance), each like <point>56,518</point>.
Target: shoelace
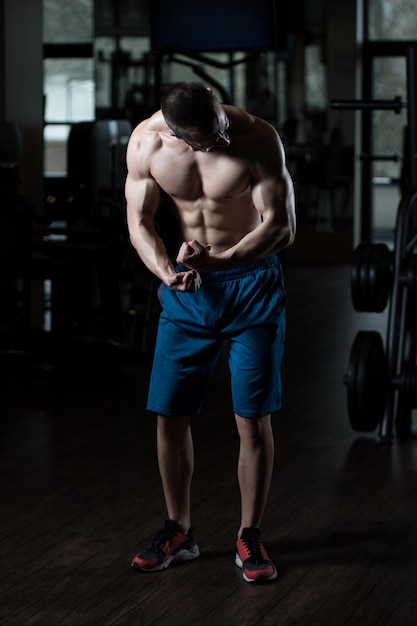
<point>161,538</point>
<point>254,548</point>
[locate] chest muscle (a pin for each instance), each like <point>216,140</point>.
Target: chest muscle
<point>213,177</point>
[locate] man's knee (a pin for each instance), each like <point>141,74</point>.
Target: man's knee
<point>173,428</point>
<point>254,430</point>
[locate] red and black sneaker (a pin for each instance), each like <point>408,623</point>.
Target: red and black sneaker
<point>252,557</point>
<point>168,545</point>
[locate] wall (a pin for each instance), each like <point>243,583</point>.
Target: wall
<point>2,62</point>
<point>21,95</point>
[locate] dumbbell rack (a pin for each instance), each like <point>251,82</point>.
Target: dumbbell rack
<point>382,383</point>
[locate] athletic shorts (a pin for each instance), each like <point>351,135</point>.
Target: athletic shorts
<point>244,306</point>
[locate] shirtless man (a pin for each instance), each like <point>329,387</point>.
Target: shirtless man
<point>225,173</point>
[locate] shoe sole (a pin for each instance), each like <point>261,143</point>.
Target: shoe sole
<point>180,557</point>
<point>260,578</point>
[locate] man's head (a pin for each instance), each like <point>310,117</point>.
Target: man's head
<point>195,116</point>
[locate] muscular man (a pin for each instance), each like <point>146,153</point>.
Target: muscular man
<point>225,173</point>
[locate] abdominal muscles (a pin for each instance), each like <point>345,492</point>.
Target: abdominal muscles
<point>218,223</point>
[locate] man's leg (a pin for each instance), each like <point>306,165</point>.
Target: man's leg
<point>255,465</point>
<point>174,542</point>
<point>256,459</point>
<point>176,466</point>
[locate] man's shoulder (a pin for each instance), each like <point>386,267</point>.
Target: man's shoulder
<point>250,126</point>
<point>149,130</point>
<point>145,141</point>
<point>144,144</point>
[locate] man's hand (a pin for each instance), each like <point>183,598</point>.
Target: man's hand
<point>192,254</point>
<point>195,256</point>
<point>185,281</point>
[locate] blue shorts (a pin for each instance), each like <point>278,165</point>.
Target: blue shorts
<point>244,306</point>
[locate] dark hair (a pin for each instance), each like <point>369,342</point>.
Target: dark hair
<point>188,106</point>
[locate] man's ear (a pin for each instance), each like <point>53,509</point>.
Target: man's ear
<point>209,89</point>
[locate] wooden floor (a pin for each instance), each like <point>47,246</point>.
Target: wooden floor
<point>80,494</point>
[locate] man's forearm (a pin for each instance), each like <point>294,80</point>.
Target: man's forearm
<point>257,244</point>
<point>153,253</point>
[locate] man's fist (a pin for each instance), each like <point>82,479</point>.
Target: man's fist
<point>185,281</point>
<point>193,254</point>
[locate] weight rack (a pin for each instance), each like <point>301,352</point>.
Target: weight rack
<point>382,382</point>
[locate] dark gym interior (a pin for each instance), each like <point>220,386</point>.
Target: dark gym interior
<point>80,489</point>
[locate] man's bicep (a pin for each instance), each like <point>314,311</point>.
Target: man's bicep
<point>272,195</point>
<point>142,196</point>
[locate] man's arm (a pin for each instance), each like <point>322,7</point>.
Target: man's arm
<point>143,198</point>
<point>273,197</point>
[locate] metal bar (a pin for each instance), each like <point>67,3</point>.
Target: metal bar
<point>366,209</point>
<point>395,315</point>
<point>381,157</point>
<point>412,111</point>
<point>395,105</point>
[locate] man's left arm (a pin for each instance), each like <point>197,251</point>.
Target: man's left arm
<point>273,197</point>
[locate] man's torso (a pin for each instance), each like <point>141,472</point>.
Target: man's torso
<point>210,190</point>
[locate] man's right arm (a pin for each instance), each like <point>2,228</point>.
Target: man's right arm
<point>143,198</point>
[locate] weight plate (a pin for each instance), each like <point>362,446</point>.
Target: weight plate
<point>371,277</point>
<point>357,279</point>
<point>379,278</point>
<point>367,381</point>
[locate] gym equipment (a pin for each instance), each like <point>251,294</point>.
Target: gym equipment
<point>366,380</point>
<point>371,277</point>
<point>64,280</point>
<point>10,164</point>
<point>382,385</point>
<point>97,158</point>
<point>382,382</point>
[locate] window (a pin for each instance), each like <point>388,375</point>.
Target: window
<point>390,28</point>
<point>392,20</point>
<point>68,76</point>
<point>315,77</point>
<point>68,22</point>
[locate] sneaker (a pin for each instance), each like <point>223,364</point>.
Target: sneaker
<point>168,545</point>
<point>252,557</point>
